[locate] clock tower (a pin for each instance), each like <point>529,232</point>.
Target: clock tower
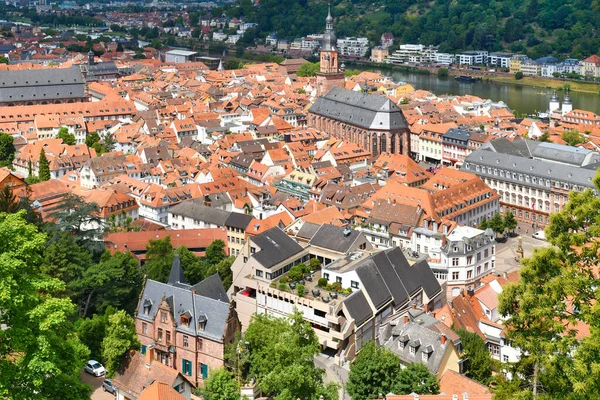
<point>329,74</point>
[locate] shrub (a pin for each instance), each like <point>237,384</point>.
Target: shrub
<point>322,282</point>
<point>283,286</point>
<point>518,75</point>
<point>273,284</point>
<point>300,290</point>
<point>314,264</point>
<point>284,279</point>
<point>337,286</point>
<point>304,268</point>
<point>295,273</point>
<point>443,72</point>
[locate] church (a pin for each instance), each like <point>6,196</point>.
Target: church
<point>373,122</point>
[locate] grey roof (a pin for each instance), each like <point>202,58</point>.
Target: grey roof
<point>307,230</point>
<point>275,246</point>
<point>176,276</point>
<point>554,163</point>
<point>238,220</point>
<point>431,286</point>
<point>41,84</point>
<point>360,109</point>
<point>458,134</point>
<point>211,287</point>
<point>183,300</point>
<point>426,340</point>
<point>335,238</point>
<point>373,283</point>
<point>196,209</point>
<point>358,307</point>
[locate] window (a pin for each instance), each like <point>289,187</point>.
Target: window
<point>455,292</point>
<point>203,370</point>
<point>259,273</point>
<point>186,367</point>
<point>160,335</point>
<point>163,316</point>
<point>326,275</point>
<point>143,349</point>
<point>338,279</point>
<point>268,275</point>
<point>412,350</point>
<point>469,260</point>
<point>245,260</point>
<point>455,262</point>
<point>455,275</point>
<point>200,344</point>
<point>186,341</point>
<point>470,274</point>
<point>354,284</point>
<point>168,337</point>
<point>486,253</point>
<point>144,328</point>
<point>424,357</point>
<point>505,358</point>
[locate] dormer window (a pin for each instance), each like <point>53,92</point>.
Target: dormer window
<point>202,320</point>
<point>427,351</point>
<point>147,306</point>
<point>185,318</point>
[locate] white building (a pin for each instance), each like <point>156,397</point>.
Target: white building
<point>445,58</point>
<point>233,39</point>
<point>353,46</point>
<point>414,54</point>
<point>500,60</point>
<point>466,256</point>
<point>179,56</point>
<point>219,37</point>
<point>472,57</point>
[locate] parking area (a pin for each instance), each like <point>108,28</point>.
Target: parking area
<point>96,384</point>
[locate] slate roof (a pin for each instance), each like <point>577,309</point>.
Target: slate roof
<point>333,238</point>
<point>307,230</point>
<point>135,375</point>
<point>209,301</point>
<point>196,209</point>
<point>42,84</point>
<point>275,246</point>
<point>364,110</point>
<point>358,307</point>
<point>518,157</point>
<point>238,220</point>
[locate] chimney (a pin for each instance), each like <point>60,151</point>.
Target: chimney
<point>444,240</point>
<point>406,319</point>
<point>444,338</point>
<point>149,356</point>
<point>505,275</point>
<point>462,292</point>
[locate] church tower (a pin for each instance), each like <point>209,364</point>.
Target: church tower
<point>329,74</point>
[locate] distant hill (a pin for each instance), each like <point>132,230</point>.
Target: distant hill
<point>536,27</point>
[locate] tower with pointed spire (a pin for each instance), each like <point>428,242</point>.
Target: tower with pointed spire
<point>567,104</point>
<point>554,102</point>
<point>329,74</point>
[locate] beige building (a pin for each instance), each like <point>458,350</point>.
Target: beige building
<point>378,54</point>
<point>373,285</point>
<point>590,67</point>
<point>531,68</point>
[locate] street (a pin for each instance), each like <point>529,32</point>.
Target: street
<point>96,384</point>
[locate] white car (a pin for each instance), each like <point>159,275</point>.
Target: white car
<point>95,368</point>
<point>539,235</point>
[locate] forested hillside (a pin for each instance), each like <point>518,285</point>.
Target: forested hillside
<point>537,27</point>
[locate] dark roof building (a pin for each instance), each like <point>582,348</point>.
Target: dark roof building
<point>41,86</point>
<point>380,124</point>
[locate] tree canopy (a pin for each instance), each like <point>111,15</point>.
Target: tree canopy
<point>478,362</point>
<point>220,385</point>
<point>43,167</point>
<point>67,138</point>
<point>40,355</point>
<point>7,150</point>
<point>120,338</point>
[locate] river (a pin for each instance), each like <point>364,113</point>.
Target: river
<point>525,99</point>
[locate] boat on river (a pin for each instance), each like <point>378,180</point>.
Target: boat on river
<point>467,78</point>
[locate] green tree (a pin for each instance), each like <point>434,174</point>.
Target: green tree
<point>496,224</point>
<point>478,363</point>
<point>120,48</point>
<point>484,224</point>
<point>40,356</point>
<point>282,358</point>
<point>43,167</point>
<point>91,332</point>
<point>120,338</point>
<point>3,60</point>
<point>193,266</point>
<point>510,222</point>
<point>300,290</point>
<point>7,150</point>
<point>215,252</point>
<point>92,138</point>
<point>573,138</point>
<point>8,201</point>
<point>80,219</point>
<point>545,137</point>
<point>308,69</point>
<point>314,264</point>
<point>159,258</point>
<point>518,75</point>
<point>373,372</point>
<point>416,378</point>
<point>295,273</point>
<point>443,72</point>
<point>220,385</point>
<point>67,138</point>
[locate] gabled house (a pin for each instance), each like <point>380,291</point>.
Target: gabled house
<point>185,327</point>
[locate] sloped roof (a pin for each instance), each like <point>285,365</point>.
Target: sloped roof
<point>275,246</point>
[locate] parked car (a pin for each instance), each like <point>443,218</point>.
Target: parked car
<point>539,235</point>
<point>107,386</point>
<point>95,368</point>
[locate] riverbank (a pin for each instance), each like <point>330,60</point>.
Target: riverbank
<point>574,86</point>
<point>532,81</point>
